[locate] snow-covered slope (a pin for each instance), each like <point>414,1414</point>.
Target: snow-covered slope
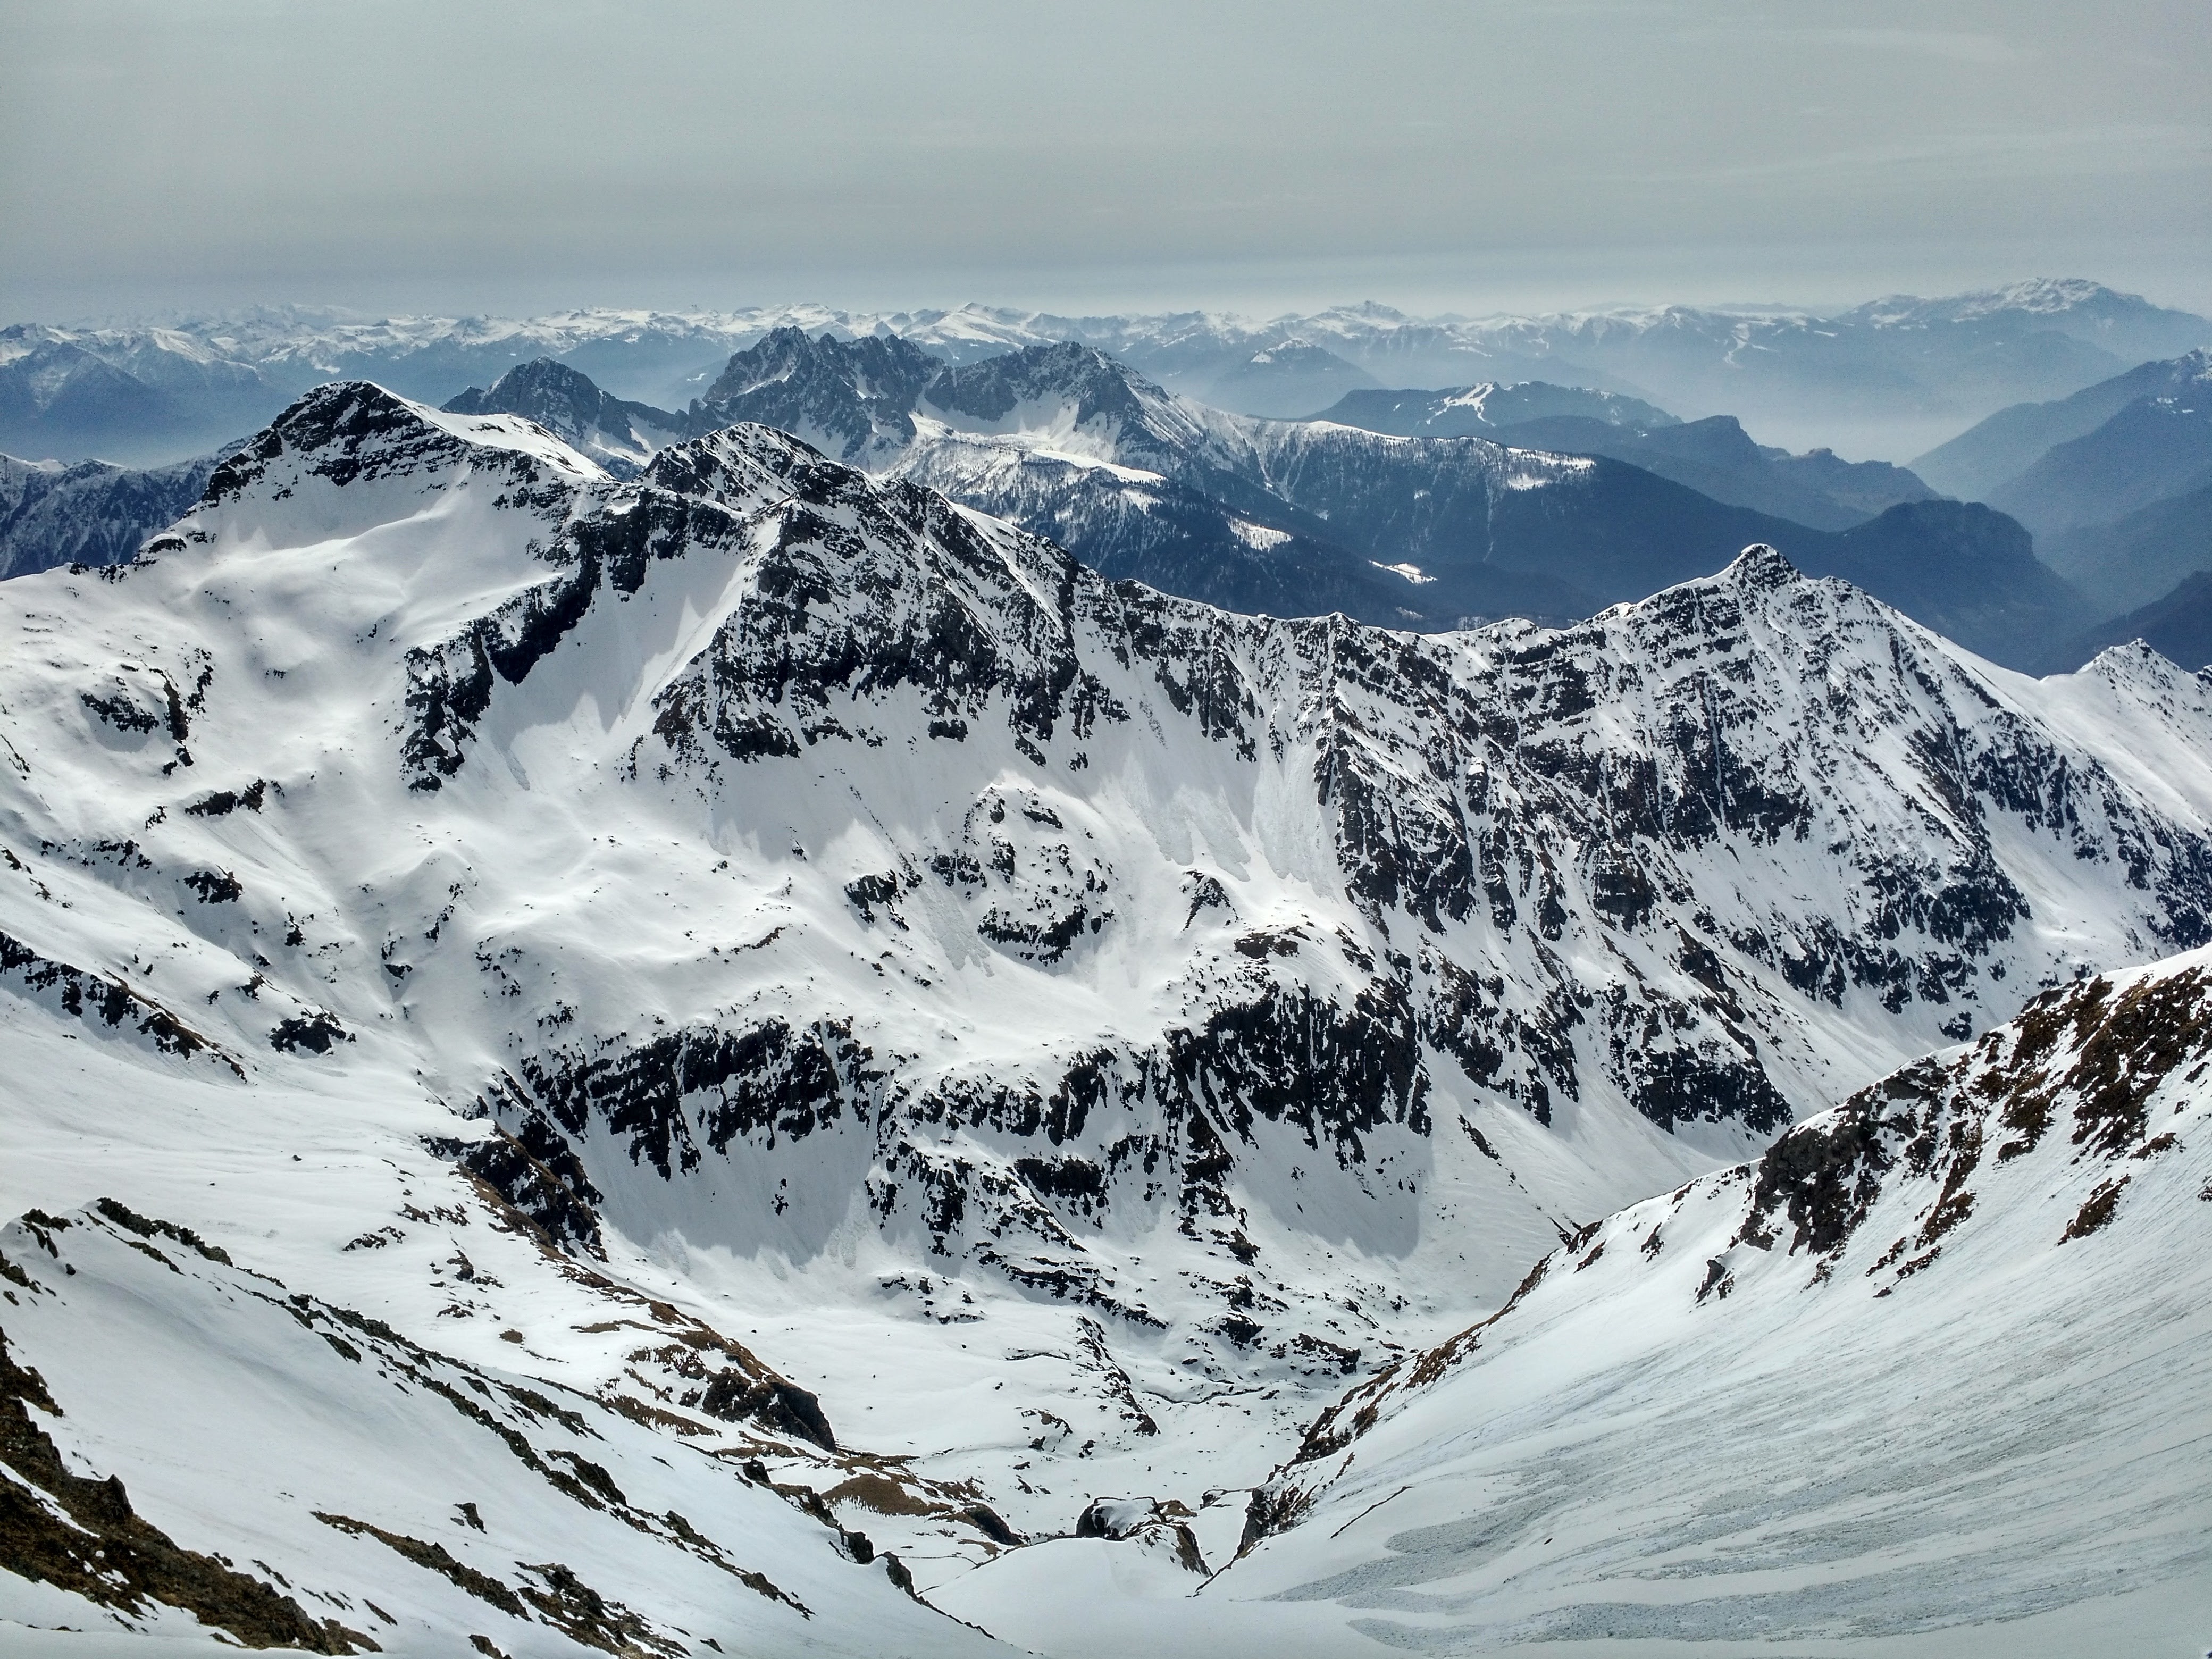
<point>1919,1381</point>
<point>298,1473</point>
<point>1929,1362</point>
<point>1060,1031</point>
<point>1485,411</point>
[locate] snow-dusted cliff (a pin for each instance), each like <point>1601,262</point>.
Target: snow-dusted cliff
<point>1298,518</point>
<point>822,974</point>
<point>1926,1365</point>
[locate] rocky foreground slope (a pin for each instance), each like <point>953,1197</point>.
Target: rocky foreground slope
<point>813,973</point>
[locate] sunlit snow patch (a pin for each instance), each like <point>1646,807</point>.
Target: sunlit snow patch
<point>1258,537</point>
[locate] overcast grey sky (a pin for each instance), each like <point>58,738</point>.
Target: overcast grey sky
<point>479,155</point>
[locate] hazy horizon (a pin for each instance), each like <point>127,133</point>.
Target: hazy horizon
<point>1262,307</point>
<point>1478,158</point>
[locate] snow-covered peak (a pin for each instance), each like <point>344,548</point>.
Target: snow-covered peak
<point>2039,296</point>
<point>744,467</point>
<point>19,340</point>
<point>619,436</point>
<point>1759,569</point>
<point>443,503</point>
<point>1071,392</point>
<point>800,898</point>
<point>2136,665</point>
<point>351,429</point>
<point>1472,398</point>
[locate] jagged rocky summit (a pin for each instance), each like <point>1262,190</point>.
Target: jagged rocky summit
<point>1292,518</point>
<point>1405,530</point>
<point>620,436</point>
<point>754,888</point>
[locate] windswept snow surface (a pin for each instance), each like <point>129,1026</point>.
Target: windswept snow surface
<point>400,1496</point>
<point>813,973</point>
<point>1920,1381</point>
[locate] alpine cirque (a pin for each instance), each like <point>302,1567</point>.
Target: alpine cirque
<point>712,1056</point>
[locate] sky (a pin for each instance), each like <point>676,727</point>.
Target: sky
<point>490,156</point>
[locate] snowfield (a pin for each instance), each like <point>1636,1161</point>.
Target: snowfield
<point>610,1062</point>
<point>1917,1382</point>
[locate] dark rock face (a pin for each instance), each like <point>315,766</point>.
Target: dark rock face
<point>312,1034</point>
<point>91,513</point>
<point>620,435</point>
<point>2094,1054</point>
<point>771,1401</point>
<point>535,1169</point>
<point>1494,808</point>
<point>763,1084</point>
<point>1422,531</point>
<point>1647,866</point>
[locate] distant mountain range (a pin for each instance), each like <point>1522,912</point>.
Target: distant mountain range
<point>2114,481</point>
<point>1296,518</point>
<point>1095,430</point>
<point>2128,562</point>
<point>1289,380</point>
<point>1714,456</point>
<point>143,395</point>
<point>1988,456</point>
<point>1867,378</point>
<point>2152,448</point>
<point>1301,519</point>
<point>1887,378</point>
